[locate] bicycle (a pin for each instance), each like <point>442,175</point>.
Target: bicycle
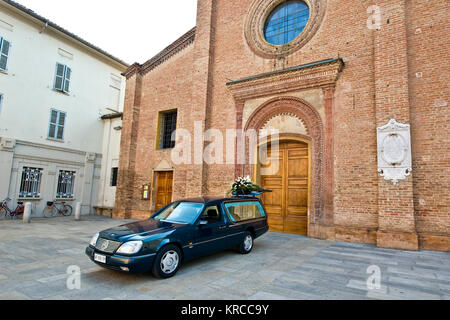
<point>53,208</point>
<point>6,212</point>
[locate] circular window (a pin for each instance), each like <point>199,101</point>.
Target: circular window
<point>286,22</point>
<point>278,28</point>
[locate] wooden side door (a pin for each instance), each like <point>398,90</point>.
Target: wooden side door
<point>164,187</point>
<point>296,188</point>
<point>274,201</point>
<point>287,205</point>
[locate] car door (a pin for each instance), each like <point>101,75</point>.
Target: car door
<point>210,232</point>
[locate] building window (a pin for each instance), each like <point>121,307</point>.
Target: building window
<point>66,180</point>
<point>4,53</point>
<point>167,125</point>
<point>114,172</point>
<point>286,22</point>
<point>56,126</point>
<point>1,102</point>
<point>30,183</point>
<point>62,78</point>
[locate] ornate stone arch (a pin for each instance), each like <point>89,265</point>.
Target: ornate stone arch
<point>315,128</point>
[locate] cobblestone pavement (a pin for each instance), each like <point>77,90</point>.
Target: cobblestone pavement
<point>34,259</point>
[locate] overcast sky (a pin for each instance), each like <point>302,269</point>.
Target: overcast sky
<point>131,30</point>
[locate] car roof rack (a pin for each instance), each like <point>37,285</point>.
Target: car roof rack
<point>253,194</point>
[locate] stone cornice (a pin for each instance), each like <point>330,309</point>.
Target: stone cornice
<point>318,74</point>
<point>54,148</point>
<point>177,46</point>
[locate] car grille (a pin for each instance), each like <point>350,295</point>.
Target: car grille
<point>107,246</point>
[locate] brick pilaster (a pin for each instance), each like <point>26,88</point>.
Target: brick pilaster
<point>328,196</point>
<point>201,93</point>
<point>125,180</point>
<point>395,202</point>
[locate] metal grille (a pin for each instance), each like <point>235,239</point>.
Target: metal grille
<point>30,183</point>
<point>66,181</point>
<point>107,246</point>
<point>286,22</point>
<point>169,125</point>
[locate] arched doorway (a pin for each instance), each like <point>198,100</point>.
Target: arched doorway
<point>286,171</point>
<point>312,137</point>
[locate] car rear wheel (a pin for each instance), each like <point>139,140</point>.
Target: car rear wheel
<point>246,245</point>
<point>167,262</point>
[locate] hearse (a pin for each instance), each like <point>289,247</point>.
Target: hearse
<point>181,231</point>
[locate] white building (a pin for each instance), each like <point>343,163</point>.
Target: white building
<point>54,90</point>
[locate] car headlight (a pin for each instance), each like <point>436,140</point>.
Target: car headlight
<point>130,247</point>
<point>94,239</point>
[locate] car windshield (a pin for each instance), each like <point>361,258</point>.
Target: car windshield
<point>180,212</point>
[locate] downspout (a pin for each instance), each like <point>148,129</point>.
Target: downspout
<point>45,27</point>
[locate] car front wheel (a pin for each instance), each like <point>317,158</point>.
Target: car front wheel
<point>247,244</point>
<point>167,262</point>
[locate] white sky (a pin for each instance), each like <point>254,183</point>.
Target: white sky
<point>131,30</point>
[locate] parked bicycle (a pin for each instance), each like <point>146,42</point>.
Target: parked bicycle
<point>57,208</point>
<point>7,213</point>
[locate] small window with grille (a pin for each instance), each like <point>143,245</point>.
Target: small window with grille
<point>56,126</point>
<point>66,181</point>
<point>167,126</point>
<point>30,184</point>
<point>62,78</point>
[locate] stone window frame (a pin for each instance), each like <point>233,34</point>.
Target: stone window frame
<point>255,23</point>
<point>160,135</point>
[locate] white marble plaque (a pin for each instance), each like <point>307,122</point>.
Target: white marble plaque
<point>394,151</point>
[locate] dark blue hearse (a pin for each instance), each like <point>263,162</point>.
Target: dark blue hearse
<point>180,231</point>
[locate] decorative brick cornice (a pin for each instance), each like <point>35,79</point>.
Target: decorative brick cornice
<point>177,46</point>
<point>132,70</point>
<point>318,74</point>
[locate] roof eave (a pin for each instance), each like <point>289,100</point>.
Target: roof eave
<point>24,11</point>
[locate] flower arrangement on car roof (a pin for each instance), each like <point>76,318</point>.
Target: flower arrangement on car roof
<point>244,185</point>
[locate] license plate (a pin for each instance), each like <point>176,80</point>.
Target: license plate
<point>99,258</point>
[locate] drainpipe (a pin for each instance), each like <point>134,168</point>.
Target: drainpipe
<point>45,27</point>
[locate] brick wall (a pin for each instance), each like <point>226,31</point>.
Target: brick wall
<point>381,80</point>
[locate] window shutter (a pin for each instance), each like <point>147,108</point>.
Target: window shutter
<point>4,53</point>
<point>67,75</point>
<point>59,77</point>
<point>57,123</point>
<point>52,125</point>
<point>61,123</point>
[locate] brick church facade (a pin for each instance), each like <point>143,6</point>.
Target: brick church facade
<point>331,85</point>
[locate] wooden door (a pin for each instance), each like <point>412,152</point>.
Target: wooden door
<point>164,185</point>
<point>287,205</point>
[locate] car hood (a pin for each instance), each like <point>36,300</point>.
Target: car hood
<point>141,228</point>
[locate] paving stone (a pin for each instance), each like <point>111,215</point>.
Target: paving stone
<point>281,266</point>
<point>262,295</point>
<point>13,295</point>
<point>412,294</point>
